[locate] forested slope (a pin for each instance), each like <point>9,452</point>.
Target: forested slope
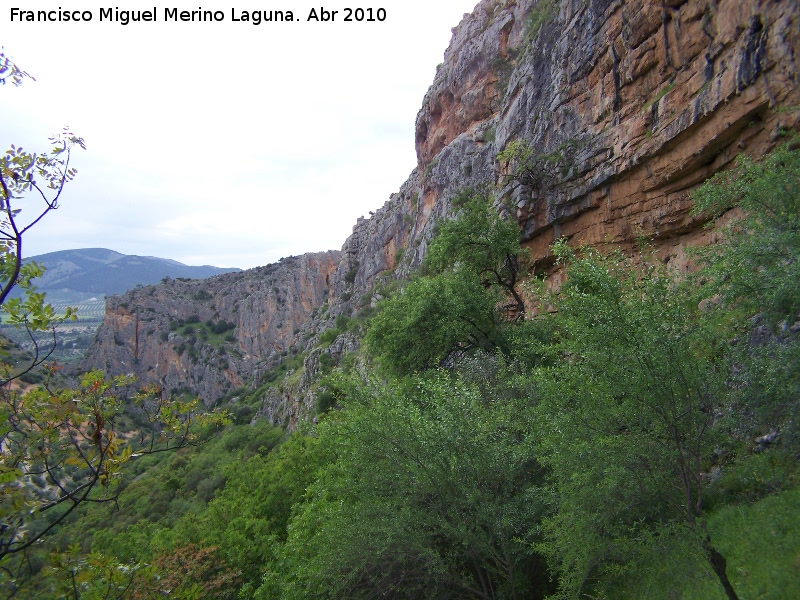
<point>563,361</point>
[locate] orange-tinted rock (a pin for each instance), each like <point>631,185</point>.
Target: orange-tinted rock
<point>163,333</point>
<point>658,97</point>
<point>654,97</point>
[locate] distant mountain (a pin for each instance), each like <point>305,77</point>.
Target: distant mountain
<point>103,272</point>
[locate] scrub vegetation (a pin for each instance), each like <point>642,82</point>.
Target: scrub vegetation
<point>632,433</point>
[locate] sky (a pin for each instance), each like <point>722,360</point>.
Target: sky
<point>224,142</point>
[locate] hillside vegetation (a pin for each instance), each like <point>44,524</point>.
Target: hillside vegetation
<point>555,364</point>
<point>629,433</point>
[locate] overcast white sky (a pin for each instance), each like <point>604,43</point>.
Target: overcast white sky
<point>223,143</point>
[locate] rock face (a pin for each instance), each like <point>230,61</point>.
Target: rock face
<point>643,101</point>
<point>211,336</point>
<point>658,98</point>
<point>639,102</point>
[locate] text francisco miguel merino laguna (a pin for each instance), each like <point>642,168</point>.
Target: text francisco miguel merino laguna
<point>255,17</point>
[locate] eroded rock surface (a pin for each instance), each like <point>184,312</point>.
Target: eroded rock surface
<point>649,98</point>
<point>211,336</point>
<point>644,100</point>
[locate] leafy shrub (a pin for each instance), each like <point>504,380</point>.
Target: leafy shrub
<point>327,337</point>
<point>350,276</point>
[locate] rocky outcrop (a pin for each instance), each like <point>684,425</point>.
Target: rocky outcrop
<point>657,98</point>
<point>635,102</point>
<point>644,100</point>
<point>212,336</point>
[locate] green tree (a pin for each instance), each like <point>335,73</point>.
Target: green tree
<point>248,519</point>
<point>754,274</point>
<point>435,493</point>
<point>630,421</point>
<point>482,242</point>
<point>465,300</point>
<point>756,267</point>
<point>432,319</point>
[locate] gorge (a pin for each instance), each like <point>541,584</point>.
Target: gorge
<point>624,107</point>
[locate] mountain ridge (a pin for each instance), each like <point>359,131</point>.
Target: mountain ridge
<point>100,271</point>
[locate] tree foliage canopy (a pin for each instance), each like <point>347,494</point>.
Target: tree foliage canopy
<point>430,497</point>
<point>432,318</point>
<point>473,270</point>
<point>635,418</point>
<point>482,242</point>
<point>757,267</point>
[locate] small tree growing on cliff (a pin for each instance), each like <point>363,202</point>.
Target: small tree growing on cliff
<point>520,165</point>
<point>464,301</point>
<point>479,240</point>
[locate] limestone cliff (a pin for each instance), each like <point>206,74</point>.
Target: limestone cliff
<point>642,99</point>
<point>212,336</point>
<point>637,101</point>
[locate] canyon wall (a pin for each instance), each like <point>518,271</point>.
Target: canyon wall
<point>635,103</point>
<point>212,336</point>
<point>640,100</point>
